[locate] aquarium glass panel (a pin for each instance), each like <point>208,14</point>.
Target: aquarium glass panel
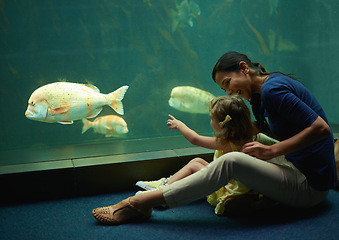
<point>63,64</point>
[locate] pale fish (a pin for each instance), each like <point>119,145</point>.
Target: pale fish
<point>185,12</point>
<point>64,102</point>
<point>190,99</point>
<point>110,126</point>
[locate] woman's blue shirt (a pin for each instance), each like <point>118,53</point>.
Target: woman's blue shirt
<point>290,108</point>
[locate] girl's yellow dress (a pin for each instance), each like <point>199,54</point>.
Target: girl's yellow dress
<point>233,188</point>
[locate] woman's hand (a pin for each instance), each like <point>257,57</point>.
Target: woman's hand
<point>174,123</point>
<point>258,150</point>
<point>316,132</point>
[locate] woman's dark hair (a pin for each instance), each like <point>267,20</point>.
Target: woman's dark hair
<point>229,62</point>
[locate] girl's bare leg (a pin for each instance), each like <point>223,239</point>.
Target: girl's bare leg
<point>150,199</point>
<point>192,167</point>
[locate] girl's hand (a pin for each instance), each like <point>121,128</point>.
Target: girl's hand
<point>173,123</point>
<point>258,150</point>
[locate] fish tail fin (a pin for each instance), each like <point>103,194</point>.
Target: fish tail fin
<point>115,99</point>
<point>87,125</point>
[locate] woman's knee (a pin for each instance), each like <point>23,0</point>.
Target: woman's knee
<point>232,156</point>
<point>234,159</point>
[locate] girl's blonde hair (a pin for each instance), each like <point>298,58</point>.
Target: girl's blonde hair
<point>238,130</point>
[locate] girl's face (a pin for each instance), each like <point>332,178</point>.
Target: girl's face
<point>215,125</point>
<point>235,83</point>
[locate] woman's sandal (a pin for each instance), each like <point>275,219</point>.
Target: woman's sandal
<point>120,213</point>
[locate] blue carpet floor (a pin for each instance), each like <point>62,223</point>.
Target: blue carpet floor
<point>72,219</point>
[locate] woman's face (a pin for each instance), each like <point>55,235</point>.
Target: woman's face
<point>235,83</point>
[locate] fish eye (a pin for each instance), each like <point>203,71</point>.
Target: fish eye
<point>32,103</point>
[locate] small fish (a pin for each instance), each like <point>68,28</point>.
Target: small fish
<point>110,126</point>
<point>185,12</point>
<point>190,99</point>
<point>64,102</point>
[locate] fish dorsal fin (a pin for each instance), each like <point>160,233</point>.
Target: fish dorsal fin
<point>94,88</point>
<point>95,113</point>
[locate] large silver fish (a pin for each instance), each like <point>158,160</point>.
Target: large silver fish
<point>190,99</point>
<point>110,126</point>
<point>64,102</point>
<point>185,12</point>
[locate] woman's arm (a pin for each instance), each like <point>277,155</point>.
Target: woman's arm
<point>316,132</point>
<point>195,138</point>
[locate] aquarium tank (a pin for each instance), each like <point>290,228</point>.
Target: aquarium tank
<point>151,47</point>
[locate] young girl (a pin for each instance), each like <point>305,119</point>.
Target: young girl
<point>231,120</point>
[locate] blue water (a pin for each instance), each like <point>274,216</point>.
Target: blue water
<point>115,43</point>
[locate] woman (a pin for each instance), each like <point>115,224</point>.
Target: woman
<point>295,118</point>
